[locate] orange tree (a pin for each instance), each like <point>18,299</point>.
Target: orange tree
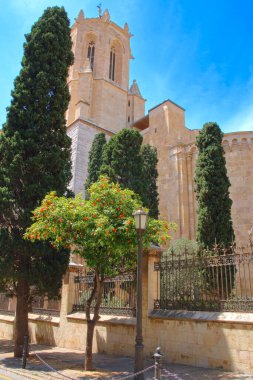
<point>101,230</point>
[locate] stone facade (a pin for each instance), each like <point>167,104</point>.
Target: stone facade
<point>177,155</point>
<point>102,100</point>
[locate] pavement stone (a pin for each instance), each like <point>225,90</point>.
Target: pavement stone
<point>69,364</point>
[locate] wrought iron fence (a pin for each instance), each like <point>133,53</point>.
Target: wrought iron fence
<point>205,282</point>
<point>40,305</point>
<point>44,306</point>
<point>7,304</point>
<point>119,293</point>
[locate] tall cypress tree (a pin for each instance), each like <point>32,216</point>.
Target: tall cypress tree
<point>134,166</point>
<point>122,160</point>
<point>34,159</point>
<point>95,159</point>
<point>212,190</point>
<point>150,195</point>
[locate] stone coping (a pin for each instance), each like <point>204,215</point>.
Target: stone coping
<point>44,318</point>
<point>203,316</point>
<point>112,319</point>
<point>198,316</point>
<point>32,317</point>
<point>6,318</point>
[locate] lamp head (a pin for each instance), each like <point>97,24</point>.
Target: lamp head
<point>140,217</point>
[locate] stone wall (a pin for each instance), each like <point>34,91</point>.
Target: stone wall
<point>239,158</point>
<point>82,134</point>
<point>6,326</point>
<point>205,339</point>
<point>167,132</point>
<point>199,339</point>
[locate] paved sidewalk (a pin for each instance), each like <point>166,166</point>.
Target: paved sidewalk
<point>69,364</point>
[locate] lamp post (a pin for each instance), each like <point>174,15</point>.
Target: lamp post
<point>140,217</point>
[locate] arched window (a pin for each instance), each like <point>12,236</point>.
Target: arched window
<point>91,54</point>
<point>112,64</point>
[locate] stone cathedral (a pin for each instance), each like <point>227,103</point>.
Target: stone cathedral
<point>102,100</point>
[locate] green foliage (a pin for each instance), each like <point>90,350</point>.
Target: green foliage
<point>101,229</point>
<point>133,166</point>
<point>212,190</point>
<point>183,246</point>
<point>46,265</point>
<point>95,159</point>
<point>122,160</point>
<point>150,195</point>
<point>35,152</point>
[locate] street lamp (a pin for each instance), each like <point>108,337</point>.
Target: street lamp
<point>140,217</point>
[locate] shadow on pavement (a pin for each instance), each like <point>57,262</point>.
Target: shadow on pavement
<point>70,364</point>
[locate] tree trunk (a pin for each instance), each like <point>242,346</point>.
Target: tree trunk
<point>21,318</point>
<point>89,340</point>
<point>96,294</point>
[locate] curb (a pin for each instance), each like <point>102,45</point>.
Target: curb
<point>26,373</point>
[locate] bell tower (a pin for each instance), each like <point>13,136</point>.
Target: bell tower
<point>101,100</point>
<point>99,77</point>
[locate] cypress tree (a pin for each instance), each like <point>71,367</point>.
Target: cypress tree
<point>122,160</point>
<point>212,190</point>
<point>95,159</point>
<point>150,195</point>
<point>34,159</point>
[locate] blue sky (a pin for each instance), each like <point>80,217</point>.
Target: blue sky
<point>198,53</point>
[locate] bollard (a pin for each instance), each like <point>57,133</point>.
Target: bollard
<point>25,351</point>
<point>158,360</point>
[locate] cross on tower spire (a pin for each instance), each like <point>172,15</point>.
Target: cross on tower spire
<point>99,6</point>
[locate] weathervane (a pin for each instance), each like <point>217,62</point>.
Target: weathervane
<point>99,10</point>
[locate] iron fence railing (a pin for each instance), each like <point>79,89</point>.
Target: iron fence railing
<point>7,304</point>
<point>40,305</point>
<point>205,282</point>
<point>44,306</point>
<point>119,293</point>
